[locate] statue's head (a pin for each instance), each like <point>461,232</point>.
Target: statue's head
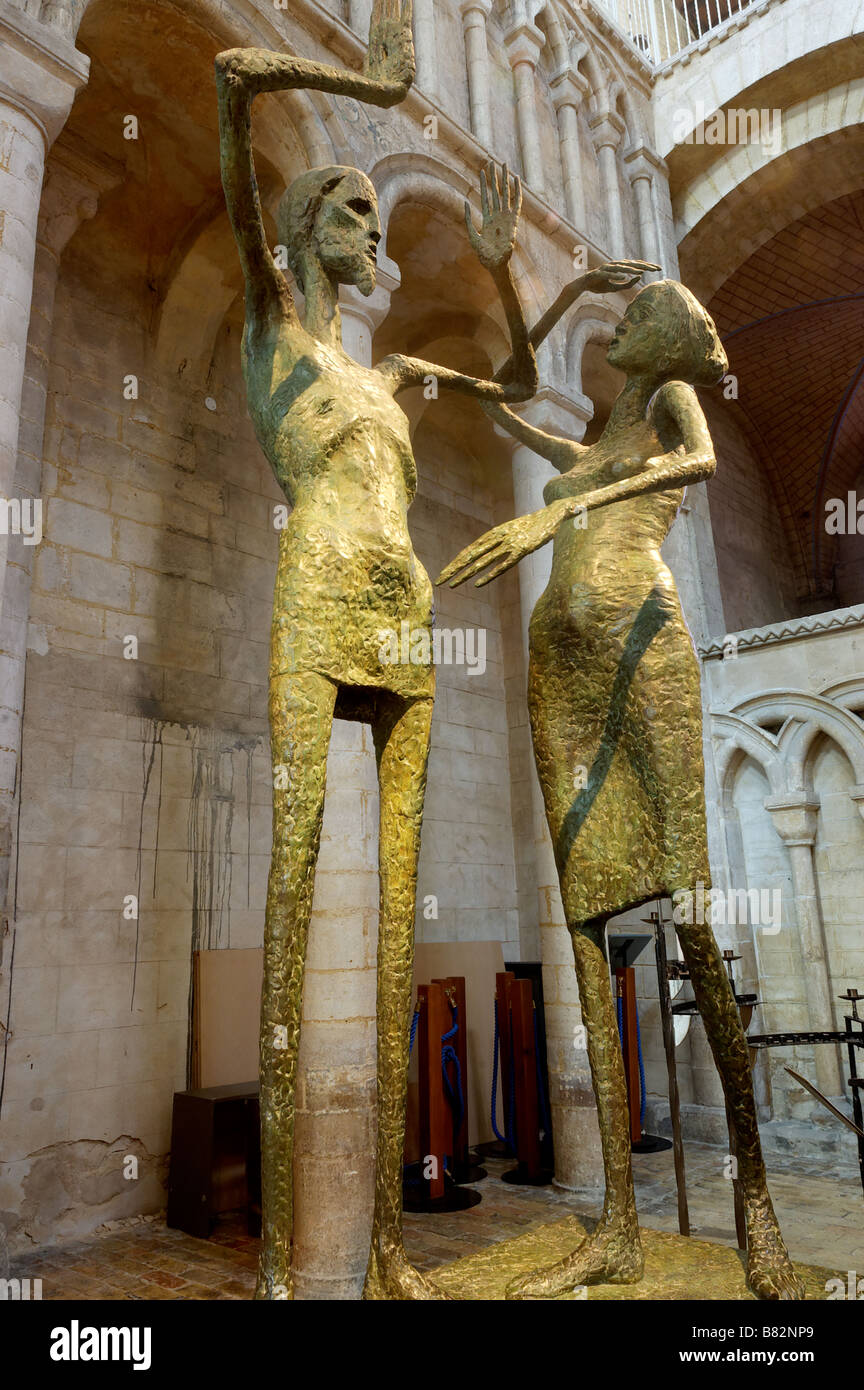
<point>331,215</point>
<point>668,334</point>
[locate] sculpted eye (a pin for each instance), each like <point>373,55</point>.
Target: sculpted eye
<point>361,205</point>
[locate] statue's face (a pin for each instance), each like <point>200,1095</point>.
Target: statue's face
<point>347,232</point>
<point>636,343</point>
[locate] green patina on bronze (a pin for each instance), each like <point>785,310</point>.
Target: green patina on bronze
<point>339,445</point>
<point>613,688</point>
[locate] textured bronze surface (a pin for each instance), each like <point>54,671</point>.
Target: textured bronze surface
<point>347,573</point>
<point>616,719</point>
<point>676,1267</point>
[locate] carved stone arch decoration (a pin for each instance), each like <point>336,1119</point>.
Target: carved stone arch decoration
<point>423,180</point>
<point>593,320</point>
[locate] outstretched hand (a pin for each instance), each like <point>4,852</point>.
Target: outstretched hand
<point>390,55</point>
<point>616,275</point>
<point>504,546</point>
<point>500,205</point>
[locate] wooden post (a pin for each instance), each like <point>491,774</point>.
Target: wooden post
<point>625,981</point>
<point>527,1101</point>
<point>435,1117</point>
<point>503,983</point>
<point>455,986</point>
<point>666,1019</point>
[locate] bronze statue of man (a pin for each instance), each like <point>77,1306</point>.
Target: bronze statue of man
<point>613,688</point>
<point>339,446</point>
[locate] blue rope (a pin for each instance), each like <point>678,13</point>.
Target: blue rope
<point>495,1130</point>
<point>449,1054</point>
<point>541,1089</point>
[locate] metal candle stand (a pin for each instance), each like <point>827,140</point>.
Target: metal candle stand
<point>852,1037</point>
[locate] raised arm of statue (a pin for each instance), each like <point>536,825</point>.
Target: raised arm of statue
<point>501,203</point>
<point>241,73</point>
<point>563,453</point>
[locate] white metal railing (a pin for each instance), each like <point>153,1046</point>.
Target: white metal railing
<point>662,28</point>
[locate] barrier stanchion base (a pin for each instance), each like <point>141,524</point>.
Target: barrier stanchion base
<point>467,1173</point>
<point>454,1199</point>
<point>493,1148</point>
<point>521,1178</point>
<point>651,1144</point>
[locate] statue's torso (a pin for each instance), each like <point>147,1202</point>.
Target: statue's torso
<point>339,446</point>
<point>613,560</point>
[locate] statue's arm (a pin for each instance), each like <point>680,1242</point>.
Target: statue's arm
<point>677,413</point>
<point>563,453</point>
<point>241,73</point>
<point>501,202</point>
<point>404,372</point>
<point>676,409</point>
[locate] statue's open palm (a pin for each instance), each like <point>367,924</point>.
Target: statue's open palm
<point>500,204</point>
<point>390,55</point>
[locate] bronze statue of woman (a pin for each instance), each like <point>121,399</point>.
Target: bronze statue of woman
<point>614,690</point>
<point>339,446</point>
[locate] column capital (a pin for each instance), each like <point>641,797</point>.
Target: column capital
<point>40,70</point>
<point>607,128</point>
<point>481,7</point>
<point>554,413</point>
<point>641,162</point>
<point>568,88</point>
<point>523,44</point>
<point>373,308</point>
<point>857,795</point>
<point>794,817</point>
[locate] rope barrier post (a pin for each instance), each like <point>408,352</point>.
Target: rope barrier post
<point>503,982</point>
<point>671,1069</point>
<point>435,1115</point>
<point>625,983</point>
<point>525,1067</point>
<point>460,1161</point>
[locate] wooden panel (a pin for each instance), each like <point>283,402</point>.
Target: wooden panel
<point>227,1005</point>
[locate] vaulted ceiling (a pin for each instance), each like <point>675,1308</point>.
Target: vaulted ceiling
<point>792,320</point>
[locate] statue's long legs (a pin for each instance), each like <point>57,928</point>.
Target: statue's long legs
<point>769,1269</point>
<point>301,717</point>
<point>670,673</point>
<point>612,1254</point>
<point>402,748</point>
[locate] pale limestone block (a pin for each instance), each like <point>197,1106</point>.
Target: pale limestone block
<point>34,994</point>
<point>43,1066</point>
<point>99,581</point>
<point>100,996</point>
<point>339,994</point>
<point>26,1129</point>
<point>71,816</point>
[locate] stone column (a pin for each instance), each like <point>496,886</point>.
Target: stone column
<point>641,168</point>
<point>606,131</point>
<point>73,184</point>
<point>523,49</point>
<point>578,1162</point>
<point>568,89</point>
<point>425,52</point>
<point>40,72</point>
<point>794,820</point>
<point>359,13</point>
<point>335,1143</point>
<point>474,14</point>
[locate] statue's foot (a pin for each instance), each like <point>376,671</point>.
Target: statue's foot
<point>612,1255</point>
<point>390,1276</point>
<point>770,1273</point>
